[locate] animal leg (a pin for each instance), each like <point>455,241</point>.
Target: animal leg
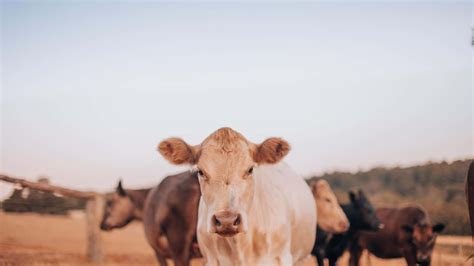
<point>332,261</point>
<point>161,260</point>
<point>356,252</point>
<point>410,257</point>
<point>180,240</point>
<point>320,257</point>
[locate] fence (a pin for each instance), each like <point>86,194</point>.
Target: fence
<point>94,207</point>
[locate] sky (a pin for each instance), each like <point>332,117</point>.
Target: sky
<point>88,89</point>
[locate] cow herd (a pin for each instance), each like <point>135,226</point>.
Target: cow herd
<point>239,204</point>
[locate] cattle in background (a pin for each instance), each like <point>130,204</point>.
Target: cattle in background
<point>407,233</point>
<point>245,188</point>
<point>331,217</point>
<point>123,206</point>
<point>470,195</point>
<point>361,215</point>
<point>170,218</point>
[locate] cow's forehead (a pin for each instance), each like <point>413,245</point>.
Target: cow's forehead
<point>422,231</point>
<point>224,163</point>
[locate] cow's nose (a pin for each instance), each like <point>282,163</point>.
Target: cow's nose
<point>227,223</point>
<point>423,259</point>
<point>344,225</point>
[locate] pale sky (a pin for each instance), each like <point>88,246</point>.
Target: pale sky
<point>89,89</point>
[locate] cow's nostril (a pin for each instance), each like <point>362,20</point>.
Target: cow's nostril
<point>237,221</point>
<point>216,221</point>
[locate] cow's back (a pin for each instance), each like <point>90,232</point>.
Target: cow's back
<point>299,207</point>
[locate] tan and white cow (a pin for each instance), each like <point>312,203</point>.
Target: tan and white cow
<point>254,209</point>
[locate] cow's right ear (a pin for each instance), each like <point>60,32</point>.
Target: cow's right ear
<point>353,198</point>
<point>120,189</point>
<point>176,151</point>
<point>407,228</point>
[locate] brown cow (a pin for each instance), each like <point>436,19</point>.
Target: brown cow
<point>407,233</point>
<point>170,218</point>
<point>124,206</point>
<point>470,195</point>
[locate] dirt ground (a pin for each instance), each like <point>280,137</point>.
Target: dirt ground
<point>32,239</point>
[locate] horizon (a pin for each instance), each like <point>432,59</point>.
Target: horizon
<point>89,89</point>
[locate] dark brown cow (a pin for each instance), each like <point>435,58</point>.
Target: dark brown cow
<point>170,218</point>
<point>470,195</point>
<point>407,233</point>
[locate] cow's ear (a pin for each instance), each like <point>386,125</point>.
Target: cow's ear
<point>407,228</point>
<point>120,189</point>
<point>271,151</point>
<point>176,151</point>
<point>314,187</point>
<point>318,186</point>
<point>353,198</point>
<point>437,228</point>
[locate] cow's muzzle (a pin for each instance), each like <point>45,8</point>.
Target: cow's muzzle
<point>226,223</point>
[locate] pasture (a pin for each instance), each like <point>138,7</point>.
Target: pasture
<point>33,239</point>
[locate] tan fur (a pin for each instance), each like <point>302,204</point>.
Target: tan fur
<point>277,215</point>
<point>176,151</point>
<point>331,217</point>
<point>272,150</point>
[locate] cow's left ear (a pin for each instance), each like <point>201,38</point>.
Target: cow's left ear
<point>120,189</point>
<point>407,228</point>
<point>437,228</point>
<point>319,185</point>
<point>271,151</point>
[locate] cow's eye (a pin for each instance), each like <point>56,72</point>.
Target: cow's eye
<point>201,174</point>
<point>250,171</point>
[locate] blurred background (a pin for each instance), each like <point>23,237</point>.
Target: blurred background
<point>375,96</point>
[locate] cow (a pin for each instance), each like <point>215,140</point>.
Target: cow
<point>254,209</point>
<point>361,216</point>
<point>470,195</point>
<point>122,207</point>
<point>331,217</point>
<point>407,233</point>
<point>170,218</point>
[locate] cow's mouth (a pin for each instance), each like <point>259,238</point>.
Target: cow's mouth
<point>227,233</point>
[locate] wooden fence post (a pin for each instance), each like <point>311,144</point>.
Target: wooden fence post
<point>94,209</point>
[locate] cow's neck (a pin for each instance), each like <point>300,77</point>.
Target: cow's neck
<point>138,198</point>
<point>353,217</point>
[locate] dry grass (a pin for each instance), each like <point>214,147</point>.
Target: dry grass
<point>32,239</point>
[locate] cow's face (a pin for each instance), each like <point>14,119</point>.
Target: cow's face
<point>422,237</point>
<point>367,218</point>
<point>226,163</point>
<point>331,217</point>
<point>118,211</point>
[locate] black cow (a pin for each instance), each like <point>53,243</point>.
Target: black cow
<point>361,215</point>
